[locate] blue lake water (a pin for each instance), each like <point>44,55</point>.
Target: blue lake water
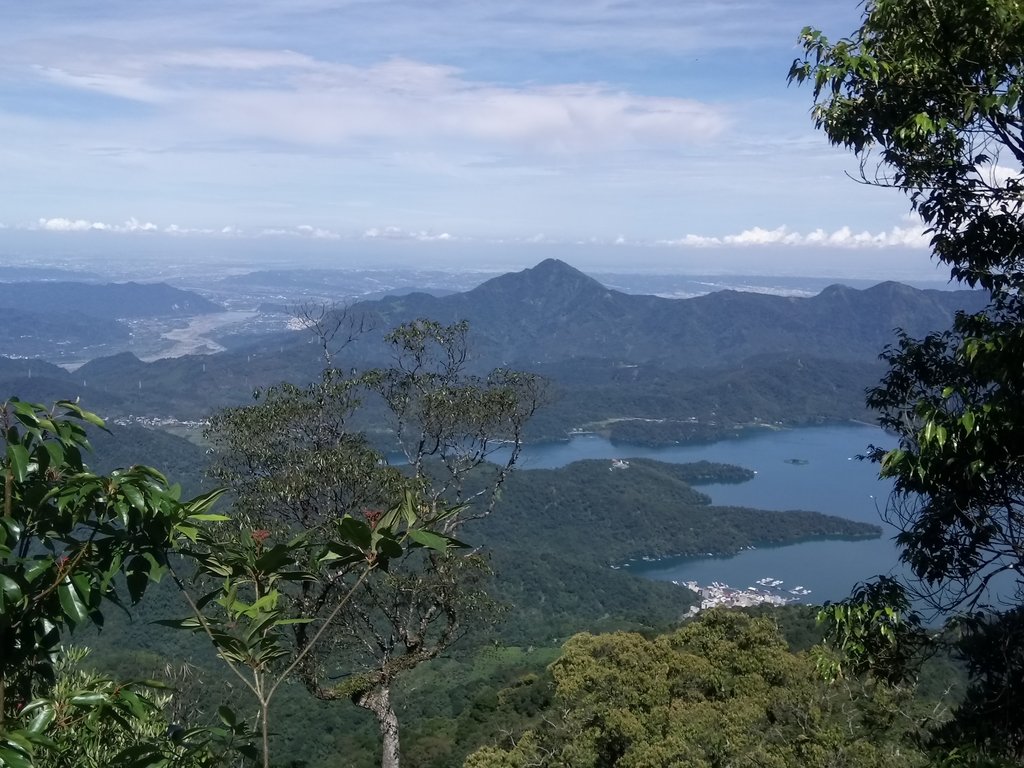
<point>832,481</point>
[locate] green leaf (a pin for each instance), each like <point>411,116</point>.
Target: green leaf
<point>340,555</point>
<point>924,123</point>
<point>432,540</point>
<point>409,508</point>
<point>189,622</point>
<point>71,602</point>
<point>355,531</point>
<point>9,758</point>
<point>11,530</point>
<point>227,716</point>
<point>274,558</point>
<point>134,496</point>
<point>967,420</point>
<point>248,751</point>
<point>87,416</point>
<point>137,581</point>
<point>140,756</point>
<point>203,502</point>
<point>388,547</point>
<point>10,588</point>
<point>18,458</point>
<point>88,699</point>
<point>42,719</point>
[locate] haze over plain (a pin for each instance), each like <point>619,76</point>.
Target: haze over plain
<point>656,134</point>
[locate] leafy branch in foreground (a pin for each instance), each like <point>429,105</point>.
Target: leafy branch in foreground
<point>67,538</point>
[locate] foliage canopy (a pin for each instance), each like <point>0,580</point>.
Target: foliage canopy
<point>928,94</point>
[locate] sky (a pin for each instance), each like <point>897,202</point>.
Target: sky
<point>655,133</point>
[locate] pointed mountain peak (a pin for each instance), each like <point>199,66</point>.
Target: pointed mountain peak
<point>554,267</point>
<point>550,279</point>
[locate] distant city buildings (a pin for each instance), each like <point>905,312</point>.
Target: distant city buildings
<point>158,422</point>
<point>719,594</point>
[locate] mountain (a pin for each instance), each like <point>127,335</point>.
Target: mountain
<point>637,368</point>
<point>28,332</point>
<point>107,301</point>
<point>553,312</point>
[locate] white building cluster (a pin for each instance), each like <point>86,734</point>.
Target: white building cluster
<point>719,594</point>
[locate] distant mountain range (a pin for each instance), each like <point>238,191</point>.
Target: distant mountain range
<point>554,312</point>
<point>108,301</point>
<point>76,321</point>
<point>635,367</point>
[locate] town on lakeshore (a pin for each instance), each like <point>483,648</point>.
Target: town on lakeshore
<point>719,594</point>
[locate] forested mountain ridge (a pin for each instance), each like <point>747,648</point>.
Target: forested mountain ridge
<point>553,311</point>
<point>640,368</point>
<point>109,301</point>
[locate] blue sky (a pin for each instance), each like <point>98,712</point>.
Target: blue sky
<point>665,127</point>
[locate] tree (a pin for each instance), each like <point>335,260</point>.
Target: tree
<point>247,616</point>
<point>722,690</point>
<point>297,467</point>
<point>99,722</point>
<point>927,93</point>
<point>67,537</point>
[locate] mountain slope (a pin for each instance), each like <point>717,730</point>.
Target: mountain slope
<point>110,301</point>
<point>553,312</point>
<point>639,368</point>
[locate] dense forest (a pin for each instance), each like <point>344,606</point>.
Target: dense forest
<point>304,602</point>
<point>538,570</point>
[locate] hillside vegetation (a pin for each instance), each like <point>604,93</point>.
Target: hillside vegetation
<point>636,368</point>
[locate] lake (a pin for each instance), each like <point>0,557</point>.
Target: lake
<point>812,468</point>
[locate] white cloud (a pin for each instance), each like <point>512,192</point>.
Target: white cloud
<point>397,233</point>
<point>134,225</point>
<point>174,229</point>
<point>910,236</point>
<point>108,83</point>
<point>67,225</point>
<point>302,230</point>
<point>1001,174</point>
<point>577,118</point>
<point>317,233</point>
<point>306,231</point>
<point>233,94</point>
<point>60,224</point>
<point>996,175</point>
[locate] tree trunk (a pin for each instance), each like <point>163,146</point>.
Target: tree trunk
<point>378,701</point>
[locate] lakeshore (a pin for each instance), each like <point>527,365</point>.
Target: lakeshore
<point>719,594</point>
<point>831,483</point>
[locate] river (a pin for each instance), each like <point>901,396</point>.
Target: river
<point>832,481</point>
